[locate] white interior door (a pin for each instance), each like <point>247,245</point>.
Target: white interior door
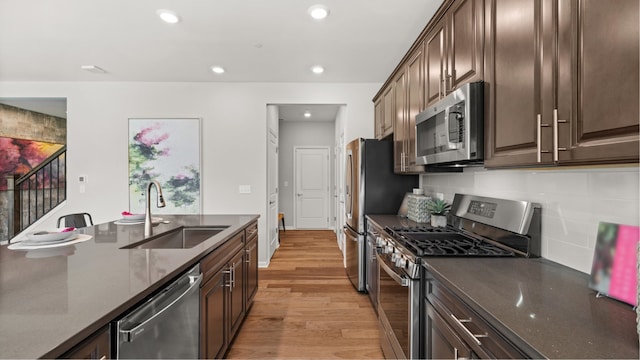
<point>339,165</point>
<point>312,188</point>
<point>272,188</point>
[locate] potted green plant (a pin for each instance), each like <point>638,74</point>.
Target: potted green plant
<point>438,209</point>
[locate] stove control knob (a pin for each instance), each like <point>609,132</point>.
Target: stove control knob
<point>388,249</point>
<point>401,262</point>
<point>395,256</point>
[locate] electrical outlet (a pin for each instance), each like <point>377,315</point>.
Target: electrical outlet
<point>439,196</point>
<point>244,189</point>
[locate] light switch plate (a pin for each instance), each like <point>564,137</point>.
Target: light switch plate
<point>244,189</point>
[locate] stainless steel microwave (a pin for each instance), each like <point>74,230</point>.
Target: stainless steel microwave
<point>451,132</point>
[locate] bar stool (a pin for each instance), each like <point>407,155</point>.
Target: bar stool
<point>281,218</point>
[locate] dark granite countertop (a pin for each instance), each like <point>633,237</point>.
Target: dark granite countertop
<point>541,305</point>
<point>51,300</point>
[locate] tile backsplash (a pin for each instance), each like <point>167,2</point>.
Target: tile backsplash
<point>573,202</point>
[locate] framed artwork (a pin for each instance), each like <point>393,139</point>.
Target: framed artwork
<point>614,272</point>
<point>166,150</point>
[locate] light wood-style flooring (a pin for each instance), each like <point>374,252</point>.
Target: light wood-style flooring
<point>306,307</point>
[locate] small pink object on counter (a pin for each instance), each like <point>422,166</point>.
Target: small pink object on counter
<point>68,229</point>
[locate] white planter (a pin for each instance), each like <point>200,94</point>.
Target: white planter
<point>438,220</point>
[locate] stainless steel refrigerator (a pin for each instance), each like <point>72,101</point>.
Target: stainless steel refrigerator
<point>371,188</point>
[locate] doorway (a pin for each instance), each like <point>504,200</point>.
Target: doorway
<point>311,178</point>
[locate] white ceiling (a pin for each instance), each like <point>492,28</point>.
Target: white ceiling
<point>254,40</point>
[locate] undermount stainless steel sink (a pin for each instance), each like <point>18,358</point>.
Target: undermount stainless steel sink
<point>182,238</point>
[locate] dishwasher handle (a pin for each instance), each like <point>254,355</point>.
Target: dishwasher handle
<point>129,335</point>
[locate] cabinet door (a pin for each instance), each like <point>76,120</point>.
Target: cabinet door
<point>399,131</point>
<point>434,64</point>
<point>465,43</point>
<point>236,293</point>
<point>251,268</point>
<point>513,100</point>
<point>441,342</point>
<point>598,106</point>
<point>213,330</point>
<point>414,105</point>
<point>378,116</point>
<point>97,346</point>
<point>388,110</point>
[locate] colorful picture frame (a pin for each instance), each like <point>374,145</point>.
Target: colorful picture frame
<point>169,151</point>
<point>614,272</point>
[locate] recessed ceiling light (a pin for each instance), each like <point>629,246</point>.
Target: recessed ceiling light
<point>93,69</point>
<point>217,69</point>
<point>168,16</point>
<point>317,69</point>
<point>307,114</point>
<point>318,11</point>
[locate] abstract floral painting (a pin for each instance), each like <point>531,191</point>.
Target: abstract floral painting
<point>19,156</point>
<point>166,150</point>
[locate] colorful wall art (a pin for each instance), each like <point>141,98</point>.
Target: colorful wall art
<point>615,262</point>
<point>19,156</point>
<point>166,150</point>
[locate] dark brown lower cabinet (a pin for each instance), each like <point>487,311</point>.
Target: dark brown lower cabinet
<point>97,346</point>
<point>453,330</point>
<point>441,340</point>
<point>222,297</point>
<point>251,270</point>
<point>212,307</point>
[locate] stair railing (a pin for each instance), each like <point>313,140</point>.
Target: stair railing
<point>34,194</point>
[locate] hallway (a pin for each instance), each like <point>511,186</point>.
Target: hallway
<point>306,307</point>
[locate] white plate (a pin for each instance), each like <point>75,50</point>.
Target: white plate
<point>29,242</point>
<point>133,217</point>
<point>154,220</point>
<point>50,236</point>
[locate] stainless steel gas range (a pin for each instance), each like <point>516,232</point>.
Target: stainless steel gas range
<point>476,226</point>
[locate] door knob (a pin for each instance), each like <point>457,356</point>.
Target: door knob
<point>299,194</point>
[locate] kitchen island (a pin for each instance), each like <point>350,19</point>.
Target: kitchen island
<point>542,309</point>
<point>52,299</point>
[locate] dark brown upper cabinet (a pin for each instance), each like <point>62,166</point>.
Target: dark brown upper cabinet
<point>596,90</point>
<point>561,82</point>
<point>385,112</point>
<point>454,49</point>
<point>409,95</point>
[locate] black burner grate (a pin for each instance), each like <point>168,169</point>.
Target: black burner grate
<point>428,241</point>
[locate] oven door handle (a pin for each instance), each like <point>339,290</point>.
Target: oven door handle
<point>398,278</point>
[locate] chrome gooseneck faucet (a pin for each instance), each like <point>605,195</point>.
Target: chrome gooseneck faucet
<point>147,214</point>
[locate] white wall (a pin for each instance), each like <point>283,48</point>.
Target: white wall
<point>234,135</point>
<point>573,202</point>
<point>292,134</point>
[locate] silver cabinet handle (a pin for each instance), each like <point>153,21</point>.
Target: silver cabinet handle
<point>540,126</point>
<point>556,147</point>
<point>299,194</point>
<point>248,252</point>
<point>460,322</point>
<point>230,273</point>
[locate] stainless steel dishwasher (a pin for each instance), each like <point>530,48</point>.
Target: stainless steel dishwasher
<point>167,326</point>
